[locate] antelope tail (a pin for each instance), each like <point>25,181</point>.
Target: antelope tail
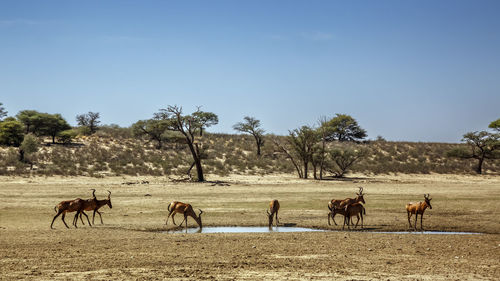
<point>329,207</point>
<point>168,208</point>
<point>364,210</point>
<point>55,208</point>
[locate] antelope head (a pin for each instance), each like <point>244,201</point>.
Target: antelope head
<point>198,220</point>
<point>109,200</point>
<point>270,217</point>
<point>428,200</point>
<point>360,195</point>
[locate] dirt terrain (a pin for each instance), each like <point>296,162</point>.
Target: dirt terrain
<point>133,245</point>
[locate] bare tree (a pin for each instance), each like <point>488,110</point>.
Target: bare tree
<point>252,126</point>
<point>89,120</point>
<point>188,126</point>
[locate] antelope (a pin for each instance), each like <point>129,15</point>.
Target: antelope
<point>418,209</point>
<point>94,205</point>
<point>67,207</point>
<point>349,201</point>
<point>274,206</point>
<point>185,209</point>
<point>338,206</point>
<point>355,209</point>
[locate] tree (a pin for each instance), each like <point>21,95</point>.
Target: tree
<point>483,145</point>
<point>28,148</point>
<point>11,132</point>
<point>33,120</point>
<point>495,125</point>
<point>154,130</point>
<point>251,126</point>
<point>188,126</point>
<point>345,128</point>
<point>205,119</point>
<point>3,113</point>
<point>302,141</point>
<point>343,158</point>
<point>89,120</point>
<point>52,125</point>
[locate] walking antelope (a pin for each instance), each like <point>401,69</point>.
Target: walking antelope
<point>185,209</point>
<point>69,206</point>
<point>274,206</point>
<point>94,205</point>
<point>418,209</point>
<point>355,209</point>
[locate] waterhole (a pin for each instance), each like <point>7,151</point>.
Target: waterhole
<point>243,229</point>
<point>265,229</point>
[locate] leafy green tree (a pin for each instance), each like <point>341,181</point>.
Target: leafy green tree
<point>343,158</point>
<point>302,141</point>
<point>344,128</point>
<point>205,119</point>
<point>11,132</point>
<point>28,148</point>
<point>152,129</point>
<point>252,126</point>
<point>67,136</point>
<point>482,145</point>
<point>187,125</point>
<point>52,125</point>
<point>3,113</point>
<point>33,120</point>
<point>89,120</point>
<point>495,125</point>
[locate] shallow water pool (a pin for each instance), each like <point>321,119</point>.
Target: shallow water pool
<point>244,229</point>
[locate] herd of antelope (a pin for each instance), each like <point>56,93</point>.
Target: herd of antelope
<point>348,207</point>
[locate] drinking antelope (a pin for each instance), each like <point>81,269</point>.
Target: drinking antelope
<point>418,209</point>
<point>355,209</point>
<point>185,209</point>
<point>274,206</point>
<point>94,205</point>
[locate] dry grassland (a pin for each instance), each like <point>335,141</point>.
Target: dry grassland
<point>131,244</point>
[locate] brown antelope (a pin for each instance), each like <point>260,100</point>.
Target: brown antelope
<point>67,207</point>
<point>355,209</point>
<point>274,206</point>
<point>338,206</point>
<point>94,205</point>
<point>418,209</point>
<point>185,209</point>
<point>349,201</point>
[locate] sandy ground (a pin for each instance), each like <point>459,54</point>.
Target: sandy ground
<point>132,244</point>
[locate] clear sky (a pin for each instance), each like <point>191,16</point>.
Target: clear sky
<point>406,70</point>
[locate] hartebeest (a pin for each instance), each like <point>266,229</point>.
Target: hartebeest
<point>349,201</point>
<point>418,209</point>
<point>355,209</point>
<point>69,206</point>
<point>274,206</point>
<point>94,205</point>
<point>185,209</point>
<point>338,206</point>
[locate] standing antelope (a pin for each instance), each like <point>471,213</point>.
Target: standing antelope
<point>418,209</point>
<point>355,209</point>
<point>94,205</point>
<point>274,206</point>
<point>338,206</point>
<point>185,209</point>
<point>348,201</point>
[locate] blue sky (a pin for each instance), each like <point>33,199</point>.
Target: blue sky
<point>406,70</point>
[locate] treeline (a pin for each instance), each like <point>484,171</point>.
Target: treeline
<point>174,143</point>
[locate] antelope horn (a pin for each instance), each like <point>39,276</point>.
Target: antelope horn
<point>267,211</point>
<point>201,212</point>
<point>93,192</point>
<point>360,190</point>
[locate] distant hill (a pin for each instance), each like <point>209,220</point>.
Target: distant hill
<point>106,154</point>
